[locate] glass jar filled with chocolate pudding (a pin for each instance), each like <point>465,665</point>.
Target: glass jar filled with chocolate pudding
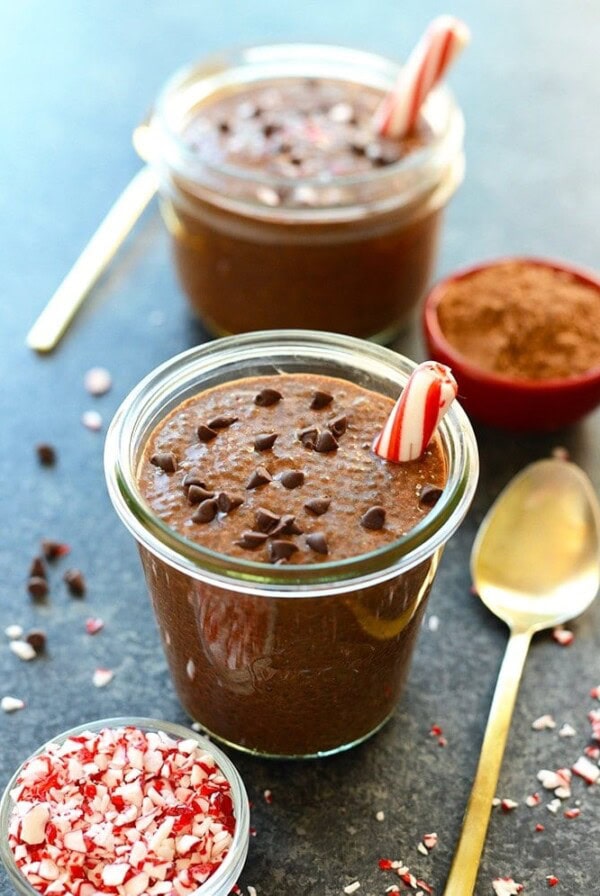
<point>288,565</point>
<point>285,207</point>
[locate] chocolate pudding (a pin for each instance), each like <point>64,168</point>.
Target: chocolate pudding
<point>285,207</point>
<point>279,470</point>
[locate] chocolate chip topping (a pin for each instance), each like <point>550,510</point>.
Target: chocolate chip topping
<point>205,433</point>
<point>429,495</point>
<point>338,425</point>
<point>226,502</point>
<point>317,542</point>
<point>264,441</point>
<point>261,476</point>
<point>37,586</point>
<point>75,582</point>
<point>193,478</point>
<point>267,397</point>
<point>37,568</point>
<point>374,518</point>
<point>222,422</point>
<point>166,461</point>
<point>320,400</point>
<point>52,549</point>
<point>318,506</point>
<point>206,511</point>
<point>309,436</point>
<point>266,520</point>
<point>196,494</point>
<point>37,638</point>
<point>281,550</point>
<point>325,442</point>
<point>46,454</point>
<point>287,526</point>
<point>251,540</point>
<point>292,478</point>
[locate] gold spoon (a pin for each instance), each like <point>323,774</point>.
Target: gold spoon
<point>535,564</point>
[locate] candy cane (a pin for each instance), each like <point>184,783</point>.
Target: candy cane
<point>428,394</point>
<point>426,65</point>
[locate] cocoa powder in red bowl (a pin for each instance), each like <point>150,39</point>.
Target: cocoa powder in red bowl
<point>522,336</point>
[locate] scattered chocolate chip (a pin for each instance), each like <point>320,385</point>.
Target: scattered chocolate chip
<point>326,442</point>
<point>224,127</point>
<point>261,476</point>
<point>287,526</point>
<point>265,440</point>
<point>251,540</point>
<point>46,454</point>
<point>266,520</point>
<point>222,422</point>
<point>281,550</point>
<point>270,129</point>
<point>227,503</point>
<point>374,518</point>
<point>358,149</point>
<point>267,397</point>
<point>52,550</point>
<point>193,478</point>
<point>196,494</point>
<point>37,586</point>
<point>309,436</point>
<point>338,426</point>
<point>37,568</point>
<point>166,461</point>
<point>318,506</point>
<point>37,639</point>
<point>320,400</point>
<point>429,495</point>
<point>75,582</point>
<point>205,433</point>
<point>205,512</point>
<point>292,478</point>
<point>317,542</point>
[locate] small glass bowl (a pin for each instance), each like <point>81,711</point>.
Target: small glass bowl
<point>224,878</point>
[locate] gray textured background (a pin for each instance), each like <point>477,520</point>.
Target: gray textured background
<point>75,78</point>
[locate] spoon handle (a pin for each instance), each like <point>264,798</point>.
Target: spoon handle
<point>463,873</point>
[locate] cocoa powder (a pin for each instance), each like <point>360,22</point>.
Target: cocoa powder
<point>524,320</point>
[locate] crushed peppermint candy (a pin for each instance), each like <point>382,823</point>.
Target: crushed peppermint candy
<point>97,381</point>
<point>506,886</point>
<point>572,813</point>
<point>380,816</point>
<point>567,730</point>
<point>94,625</point>
<point>353,887</point>
<point>586,769</point>
<point>508,805</point>
<point>102,677</point>
<point>562,635</point>
<point>268,797</point>
<point>533,800</point>
<point>552,880</point>
<point>545,721</point>
<point>11,704</point>
<point>121,811</point>
<point>553,806</point>
<point>92,420</point>
<point>13,632</point>
<point>558,781</point>
<point>433,623</point>
<point>22,649</point>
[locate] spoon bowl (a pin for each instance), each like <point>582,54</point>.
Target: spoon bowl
<point>535,564</point>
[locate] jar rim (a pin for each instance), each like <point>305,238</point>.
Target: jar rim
<point>439,154</point>
<point>219,883</point>
<point>140,412</point>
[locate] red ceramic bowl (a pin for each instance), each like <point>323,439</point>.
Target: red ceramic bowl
<point>504,401</point>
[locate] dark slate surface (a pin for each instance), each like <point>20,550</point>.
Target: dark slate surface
<point>75,79</point>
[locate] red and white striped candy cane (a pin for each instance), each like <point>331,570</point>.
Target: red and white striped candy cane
<point>427,64</point>
<point>428,394</point>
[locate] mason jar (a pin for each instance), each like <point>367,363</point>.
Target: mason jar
<point>290,660</point>
<point>351,254</point>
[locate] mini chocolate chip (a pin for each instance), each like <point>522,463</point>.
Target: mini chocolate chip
<point>37,638</point>
<point>53,549</point>
<point>46,454</point>
<point>292,478</point>
<point>287,526</point>
<point>222,422</point>
<point>265,520</point>
<point>37,568</point>
<point>320,400</point>
<point>281,550</point>
<point>374,518</point>
<point>309,436</point>
<point>75,582</point>
<point>205,433</point>
<point>37,586</point>
<point>196,494</point>
<point>267,397</point>
<point>318,506</point>
<point>357,148</point>
<point>318,542</point>
<point>227,503</point>
<point>251,540</point>
<point>325,442</point>
<point>165,460</point>
<point>193,478</point>
<point>338,426</point>
<point>261,476</point>
<point>205,512</point>
<point>270,129</point>
<point>224,127</point>
<point>265,440</point>
<point>429,495</point>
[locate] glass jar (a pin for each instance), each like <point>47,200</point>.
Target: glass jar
<point>224,878</point>
<point>291,660</point>
<point>355,258</point>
